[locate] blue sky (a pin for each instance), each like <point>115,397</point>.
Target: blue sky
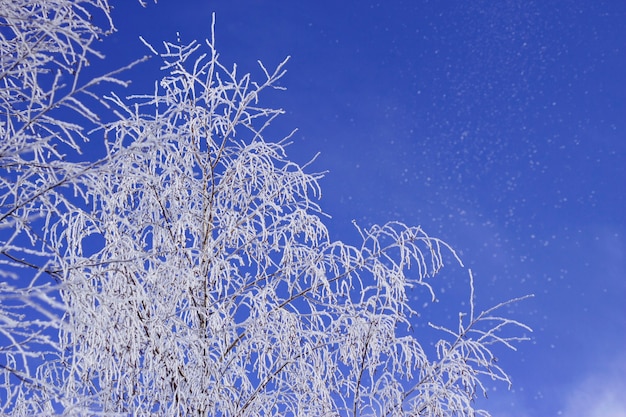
<point>499,126</point>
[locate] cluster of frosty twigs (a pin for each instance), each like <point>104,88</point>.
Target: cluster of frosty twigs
<point>188,271</point>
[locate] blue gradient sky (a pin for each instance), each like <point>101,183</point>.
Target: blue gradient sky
<point>499,126</point>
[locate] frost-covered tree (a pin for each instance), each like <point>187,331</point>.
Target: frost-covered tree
<point>188,271</point>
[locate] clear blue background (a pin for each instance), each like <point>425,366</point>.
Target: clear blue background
<point>498,126</point>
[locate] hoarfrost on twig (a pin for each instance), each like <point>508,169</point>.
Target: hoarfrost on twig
<point>213,287</point>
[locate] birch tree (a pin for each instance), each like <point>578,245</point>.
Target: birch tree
<point>189,271</point>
